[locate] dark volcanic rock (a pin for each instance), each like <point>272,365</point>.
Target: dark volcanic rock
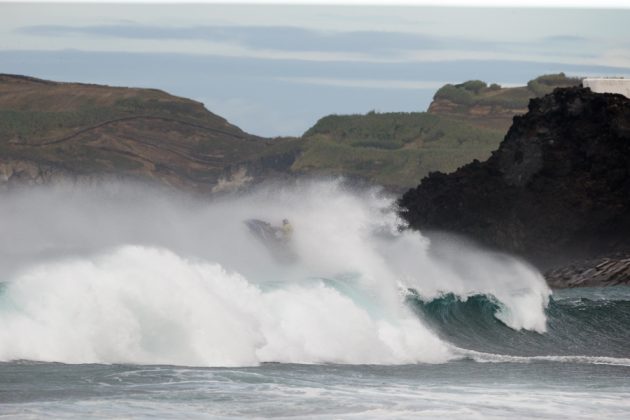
<point>606,271</point>
<point>557,189</point>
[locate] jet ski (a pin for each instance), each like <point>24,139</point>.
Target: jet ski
<point>274,239</point>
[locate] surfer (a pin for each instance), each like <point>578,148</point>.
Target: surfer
<point>286,230</point>
<point>276,238</point>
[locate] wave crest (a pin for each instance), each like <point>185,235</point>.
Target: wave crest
<point>198,289</point>
<point>149,306</point>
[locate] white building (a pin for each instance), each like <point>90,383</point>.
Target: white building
<point>608,85</point>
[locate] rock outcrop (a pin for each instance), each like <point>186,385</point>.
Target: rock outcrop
<point>606,271</point>
<point>556,191</point>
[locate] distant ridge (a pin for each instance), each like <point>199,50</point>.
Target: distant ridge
<point>491,105</point>
<point>52,131</point>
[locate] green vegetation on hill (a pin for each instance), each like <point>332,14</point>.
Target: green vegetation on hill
<point>40,112</point>
<point>466,121</point>
<point>476,92</point>
<point>393,149</point>
<point>80,129</point>
<point>545,84</point>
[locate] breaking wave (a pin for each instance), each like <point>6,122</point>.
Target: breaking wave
<point>128,274</point>
<point>576,319</point>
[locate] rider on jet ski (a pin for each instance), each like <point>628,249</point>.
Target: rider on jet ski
<point>285,231</point>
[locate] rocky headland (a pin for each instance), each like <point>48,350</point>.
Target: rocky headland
<point>556,192</point>
<point>611,270</point>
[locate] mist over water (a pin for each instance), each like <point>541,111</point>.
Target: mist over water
<point>124,273</point>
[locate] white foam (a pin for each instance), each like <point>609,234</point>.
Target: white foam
<point>128,274</point>
<point>147,305</point>
<point>579,359</point>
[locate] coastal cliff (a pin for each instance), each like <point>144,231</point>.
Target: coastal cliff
<point>556,192</point>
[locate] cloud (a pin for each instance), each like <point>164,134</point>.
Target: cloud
<point>364,83</point>
<point>281,38</point>
<point>565,39</point>
<point>297,43</point>
<point>284,97</point>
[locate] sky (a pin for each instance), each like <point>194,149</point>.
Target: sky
<point>275,69</point>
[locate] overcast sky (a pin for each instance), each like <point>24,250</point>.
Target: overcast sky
<point>276,69</point>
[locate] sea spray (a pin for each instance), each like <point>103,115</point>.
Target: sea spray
<point>149,306</point>
<point>124,273</point>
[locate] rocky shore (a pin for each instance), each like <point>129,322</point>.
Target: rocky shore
<point>606,271</point>
<point>556,192</point>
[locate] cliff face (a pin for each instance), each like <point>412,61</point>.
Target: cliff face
<point>76,132</point>
<point>557,189</point>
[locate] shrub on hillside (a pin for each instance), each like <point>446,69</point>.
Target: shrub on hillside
<point>475,86</point>
<point>454,94</point>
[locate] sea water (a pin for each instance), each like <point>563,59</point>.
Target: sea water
<point>121,300</point>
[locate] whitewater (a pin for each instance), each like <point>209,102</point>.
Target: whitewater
<point>125,300</point>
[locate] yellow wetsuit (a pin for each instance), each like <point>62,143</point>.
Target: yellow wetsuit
<point>287,231</point>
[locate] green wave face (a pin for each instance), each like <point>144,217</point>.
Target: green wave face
<point>589,322</point>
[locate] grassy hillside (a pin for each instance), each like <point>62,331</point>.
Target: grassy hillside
<point>464,122</point>
<point>393,149</point>
<point>81,129</point>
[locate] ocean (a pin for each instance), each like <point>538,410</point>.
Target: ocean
<point>124,301</point>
